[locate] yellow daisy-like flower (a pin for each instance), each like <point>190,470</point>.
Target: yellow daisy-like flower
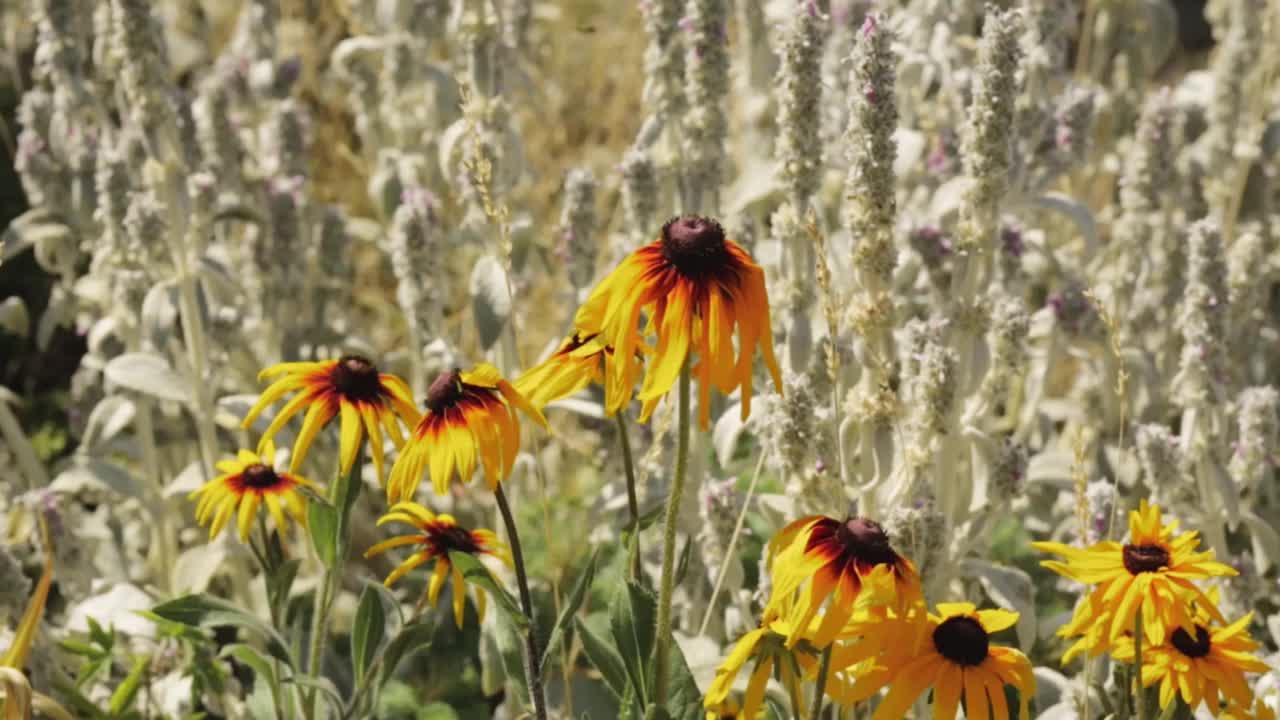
<point>471,416</point>
<point>579,361</point>
<point>696,287</point>
<point>851,562</point>
<point>1258,711</point>
<point>1154,571</point>
<point>958,661</point>
<point>246,483</point>
<point>350,388</point>
<point>436,536</point>
<point>768,646</point>
<point>1202,665</point>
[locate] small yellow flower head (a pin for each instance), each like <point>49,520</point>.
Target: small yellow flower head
<point>349,388</point>
<point>1153,573</point>
<point>246,483</point>
<point>436,536</point>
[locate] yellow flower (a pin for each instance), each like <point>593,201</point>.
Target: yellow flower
<point>436,536</point>
<point>1200,665</point>
<point>696,286</point>
<point>246,483</point>
<point>850,562</point>
<point>1258,711</point>
<point>350,388</point>
<point>579,361</point>
<point>957,661</point>
<point>768,647</point>
<point>1154,571</point>
<point>470,416</point>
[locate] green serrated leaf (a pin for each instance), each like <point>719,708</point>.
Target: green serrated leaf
<point>564,623</point>
<point>632,618</point>
<point>604,657</point>
<point>322,521</point>
<point>684,701</point>
<point>206,611</point>
<point>412,637</point>
<point>367,631</point>
<point>124,695</point>
<point>473,572</point>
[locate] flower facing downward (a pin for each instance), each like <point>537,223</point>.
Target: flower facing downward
<point>959,661</point>
<point>768,647</point>
<point>696,287</point>
<point>851,562</point>
<point>579,361</point>
<point>1201,664</point>
<point>438,535</point>
<point>470,416</point>
<point>1153,573</point>
<point>350,387</point>
<point>247,483</point>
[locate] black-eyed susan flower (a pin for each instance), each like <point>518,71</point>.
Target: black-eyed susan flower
<point>350,388</point>
<point>436,536</point>
<point>246,484</point>
<point>959,662</point>
<point>579,361</point>
<point>1154,573</point>
<point>851,562</point>
<point>772,649</point>
<point>1259,710</point>
<point>696,287</point>
<point>470,421</point>
<point>1205,665</point>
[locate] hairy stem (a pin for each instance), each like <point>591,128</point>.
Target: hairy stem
<point>532,657</point>
<point>633,504</point>
<point>820,688</point>
<point>662,644</point>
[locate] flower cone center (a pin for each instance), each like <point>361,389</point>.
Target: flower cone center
<point>445,390</point>
<point>694,245</point>
<point>866,542</point>
<point>962,640</point>
<point>260,476</point>
<point>452,537</point>
<point>1145,558</point>
<point>356,378</point>
<point>1191,647</point>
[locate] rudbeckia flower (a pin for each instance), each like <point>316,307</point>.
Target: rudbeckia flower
<point>246,483</point>
<point>351,388</point>
<point>958,661</point>
<point>579,361</point>
<point>768,646</point>
<point>437,535</point>
<point>1258,711</point>
<point>696,287</point>
<point>851,562</point>
<point>1201,665</point>
<point>469,415</point>
<point>1154,572</point>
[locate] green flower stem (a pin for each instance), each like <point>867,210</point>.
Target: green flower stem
<point>1138,691</point>
<point>820,688</point>
<point>633,504</point>
<point>662,644</point>
<point>532,658</point>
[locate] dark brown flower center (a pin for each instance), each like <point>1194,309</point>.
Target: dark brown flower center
<point>260,476</point>
<point>452,537</point>
<point>445,390</point>
<point>962,640</point>
<point>1191,647</point>
<point>1144,558</point>
<point>356,378</point>
<point>866,542</point>
<point>694,245</point>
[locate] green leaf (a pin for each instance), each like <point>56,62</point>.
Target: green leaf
<point>71,696</point>
<point>632,617</point>
<point>367,631</point>
<point>511,650</point>
<point>280,582</point>
<point>104,638</point>
<point>564,623</point>
<point>322,521</point>
<point>684,701</point>
<point>682,563</point>
<point>604,657</point>
<point>205,611</point>
<point>323,684</point>
<point>412,637</point>
<point>76,647</point>
<point>472,571</point>
<point>124,695</point>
